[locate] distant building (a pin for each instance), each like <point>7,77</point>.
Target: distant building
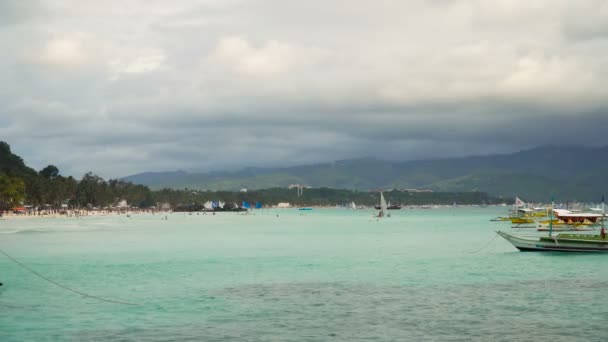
<point>284,205</point>
<point>243,190</point>
<point>296,186</point>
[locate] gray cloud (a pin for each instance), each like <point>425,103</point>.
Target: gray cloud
<point>126,86</point>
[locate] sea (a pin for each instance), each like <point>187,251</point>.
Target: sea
<point>286,275</point>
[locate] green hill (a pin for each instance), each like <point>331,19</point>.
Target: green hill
<point>569,173</point>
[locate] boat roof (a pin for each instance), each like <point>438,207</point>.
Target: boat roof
<point>568,213</point>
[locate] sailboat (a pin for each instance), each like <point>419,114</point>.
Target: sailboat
<point>383,207</point>
<point>353,206</point>
<point>389,206</point>
<point>208,206</point>
<point>561,242</point>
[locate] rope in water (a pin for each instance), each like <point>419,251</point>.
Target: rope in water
<point>485,245</point>
<point>63,286</point>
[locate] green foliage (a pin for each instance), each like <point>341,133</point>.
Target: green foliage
<point>319,197</point>
<point>49,172</point>
<point>12,191</point>
<point>463,180</point>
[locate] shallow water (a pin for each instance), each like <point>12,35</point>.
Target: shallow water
<point>331,274</point>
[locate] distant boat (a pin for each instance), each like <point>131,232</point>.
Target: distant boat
<point>305,208</point>
<point>353,206</point>
<point>389,206</point>
<point>383,207</point>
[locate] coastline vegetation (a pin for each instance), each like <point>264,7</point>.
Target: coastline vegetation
<point>20,184</point>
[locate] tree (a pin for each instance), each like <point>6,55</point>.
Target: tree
<point>49,172</point>
<point>12,191</point>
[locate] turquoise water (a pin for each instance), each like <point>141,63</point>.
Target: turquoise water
<point>329,274</point>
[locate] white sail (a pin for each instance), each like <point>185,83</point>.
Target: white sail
<point>208,205</point>
<point>352,205</point>
<point>383,207</point>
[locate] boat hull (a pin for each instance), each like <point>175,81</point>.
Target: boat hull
<point>555,244</point>
<point>521,220</point>
<point>390,207</point>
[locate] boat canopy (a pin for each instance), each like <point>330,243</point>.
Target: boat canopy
<point>569,216</point>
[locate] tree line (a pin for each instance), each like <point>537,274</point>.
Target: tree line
<point>20,184</point>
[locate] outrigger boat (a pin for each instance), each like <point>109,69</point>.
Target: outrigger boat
<point>522,220</point>
<point>560,242</point>
<point>520,214</point>
<point>566,220</point>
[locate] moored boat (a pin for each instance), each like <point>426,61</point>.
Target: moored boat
<point>563,228</point>
<point>559,243</point>
<point>521,220</point>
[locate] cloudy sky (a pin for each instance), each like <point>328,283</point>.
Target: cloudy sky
<point>123,86</point>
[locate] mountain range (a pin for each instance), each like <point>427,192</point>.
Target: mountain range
<point>564,172</point>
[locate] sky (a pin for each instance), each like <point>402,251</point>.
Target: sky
<point>125,86</point>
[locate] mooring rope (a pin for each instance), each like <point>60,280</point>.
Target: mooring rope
<point>485,245</point>
<point>61,285</point>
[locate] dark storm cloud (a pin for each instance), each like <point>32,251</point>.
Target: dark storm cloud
<point>204,85</point>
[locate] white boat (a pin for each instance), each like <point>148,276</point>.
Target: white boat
<point>353,206</point>
<point>559,243</point>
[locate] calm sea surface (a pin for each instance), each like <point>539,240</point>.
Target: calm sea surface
<point>326,275</point>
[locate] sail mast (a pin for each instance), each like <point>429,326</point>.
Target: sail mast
<point>551,217</point>
<point>603,212</point>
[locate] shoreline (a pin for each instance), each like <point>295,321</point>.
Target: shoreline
<point>75,214</point>
<point>104,213</point>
